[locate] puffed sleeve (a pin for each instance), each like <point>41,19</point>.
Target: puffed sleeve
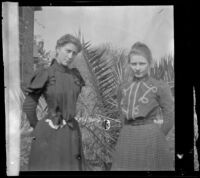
<point>33,91</point>
<point>167,106</point>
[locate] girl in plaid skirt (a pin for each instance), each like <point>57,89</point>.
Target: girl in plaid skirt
<point>142,144</point>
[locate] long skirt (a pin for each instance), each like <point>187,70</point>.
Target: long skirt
<point>142,148</point>
<point>56,150</point>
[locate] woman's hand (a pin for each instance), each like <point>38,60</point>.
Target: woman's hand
<point>54,126</point>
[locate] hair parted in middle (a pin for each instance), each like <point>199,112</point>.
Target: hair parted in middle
<point>142,49</point>
<point>68,38</point>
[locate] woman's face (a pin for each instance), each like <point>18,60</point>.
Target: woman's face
<point>66,54</point>
<point>139,65</point>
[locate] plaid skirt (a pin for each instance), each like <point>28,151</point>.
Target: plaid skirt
<point>142,148</point>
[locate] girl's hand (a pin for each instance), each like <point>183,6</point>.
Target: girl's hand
<point>106,124</point>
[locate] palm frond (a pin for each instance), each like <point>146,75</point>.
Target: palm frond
<point>103,75</point>
<point>164,70</point>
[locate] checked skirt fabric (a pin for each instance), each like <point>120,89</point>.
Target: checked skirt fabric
<point>142,148</point>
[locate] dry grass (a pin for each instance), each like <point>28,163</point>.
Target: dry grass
<point>25,151</point>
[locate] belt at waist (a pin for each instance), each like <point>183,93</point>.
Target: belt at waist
<point>138,122</point>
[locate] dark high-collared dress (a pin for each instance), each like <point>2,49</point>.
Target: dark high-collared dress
<point>55,150</point>
<point>142,144</point>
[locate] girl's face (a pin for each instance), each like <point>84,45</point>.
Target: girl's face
<point>66,54</point>
<point>139,65</point>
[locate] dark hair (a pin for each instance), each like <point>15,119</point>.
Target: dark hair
<point>68,38</point>
<point>142,49</point>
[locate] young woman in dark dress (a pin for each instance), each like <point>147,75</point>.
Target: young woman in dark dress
<point>57,138</point>
<point>142,144</point>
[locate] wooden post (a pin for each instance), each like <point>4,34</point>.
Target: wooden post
<point>26,28</point>
<point>12,85</point>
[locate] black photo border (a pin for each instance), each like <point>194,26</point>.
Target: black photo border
<point>184,35</point>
